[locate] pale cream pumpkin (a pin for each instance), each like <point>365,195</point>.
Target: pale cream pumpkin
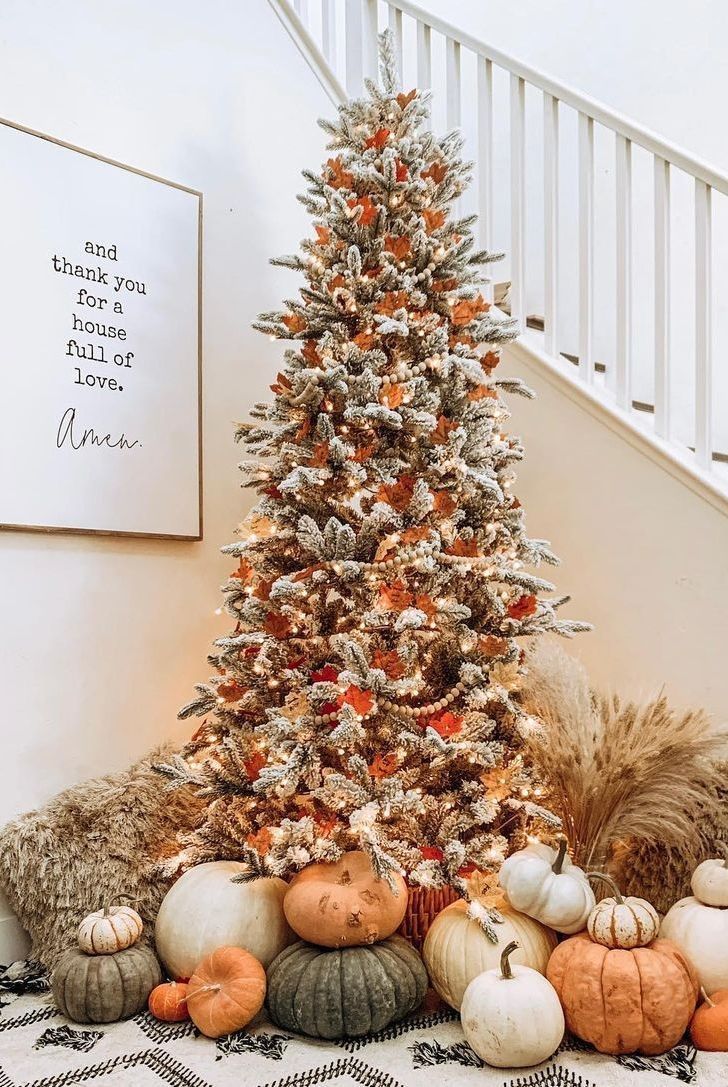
<point>511,1016</point>
<point>622,922</point>
<point>205,910</point>
<point>456,949</point>
<point>344,904</point>
<point>109,930</point>
<point>701,932</point>
<point>543,883</point>
<point>710,882</point>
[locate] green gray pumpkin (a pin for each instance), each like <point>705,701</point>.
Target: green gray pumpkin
<point>344,992</point>
<point>104,988</point>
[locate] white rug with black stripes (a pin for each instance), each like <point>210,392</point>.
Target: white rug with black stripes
<point>39,1048</point>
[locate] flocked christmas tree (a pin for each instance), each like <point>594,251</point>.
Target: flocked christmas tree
<point>367,694</point>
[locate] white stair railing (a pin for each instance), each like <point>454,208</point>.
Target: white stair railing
<point>610,253</point>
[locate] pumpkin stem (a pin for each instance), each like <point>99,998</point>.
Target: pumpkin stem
<point>706,998</point>
<point>115,899</point>
<point>506,971</point>
<point>610,883</point>
<point>561,854</point>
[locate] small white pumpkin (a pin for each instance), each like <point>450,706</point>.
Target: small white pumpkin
<point>456,948</point>
<point>710,881</point>
<point>543,883</point>
<point>108,930</point>
<point>701,933</point>
<point>512,1016</point>
<point>622,922</point>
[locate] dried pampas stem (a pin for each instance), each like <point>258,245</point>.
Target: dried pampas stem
<point>618,772</point>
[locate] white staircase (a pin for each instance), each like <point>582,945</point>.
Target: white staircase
<point>612,234</point>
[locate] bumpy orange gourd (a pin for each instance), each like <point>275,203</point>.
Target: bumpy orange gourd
<point>226,991</point>
<point>168,1002</point>
<point>709,1028</point>
<point>344,904</point>
<point>624,1001</point>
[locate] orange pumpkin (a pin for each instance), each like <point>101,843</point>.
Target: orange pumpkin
<point>344,904</point>
<point>168,1002</point>
<point>624,1001</point>
<point>709,1026</point>
<point>226,991</point>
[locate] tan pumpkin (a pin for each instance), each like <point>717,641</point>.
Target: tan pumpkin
<point>168,1002</point>
<point>110,929</point>
<point>456,949</point>
<point>624,1001</point>
<point>226,991</point>
<point>344,904</point>
<point>622,922</point>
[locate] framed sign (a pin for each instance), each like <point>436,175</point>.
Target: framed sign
<point>100,372</point>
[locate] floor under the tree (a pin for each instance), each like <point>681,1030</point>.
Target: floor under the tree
<point>39,1048</point>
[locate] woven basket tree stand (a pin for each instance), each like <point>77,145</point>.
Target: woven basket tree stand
<point>423,906</point>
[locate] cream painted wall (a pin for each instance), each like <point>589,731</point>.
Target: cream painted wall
<point>103,638</point>
<point>644,558</point>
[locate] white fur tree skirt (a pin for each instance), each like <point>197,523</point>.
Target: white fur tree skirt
<point>39,1048</point>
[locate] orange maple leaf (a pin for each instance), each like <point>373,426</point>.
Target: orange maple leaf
<point>340,178</point>
<point>395,597</point>
<point>442,285</point>
<point>415,534</point>
<point>231,691</point>
<point>261,841</point>
<point>489,361</point>
<point>392,301</point>
<point>434,219</point>
<point>304,430</point>
<point>482,392</point>
<point>323,234</point>
<point>294,322</point>
<point>403,100</point>
<point>444,503</point>
<point>464,548</point>
<point>254,764</point>
<point>335,282</point>
<point>363,453</point>
<point>383,766</point>
<point>244,571</point>
<point>325,824</point>
<point>400,247</point>
<point>262,589</point>
<point>362,701</point>
<point>441,433</point>
<point>523,607</point>
<point>379,139</point>
<point>368,209</point>
<point>401,171</point>
<point>398,495</point>
<point>281,383</point>
<point>310,352</point>
<point>436,170</point>
<point>467,309</point>
<point>447,724</point>
<point>277,625</point>
<point>389,661</point>
<point>392,395</point>
<point>426,604</point>
<point>492,646</point>
<point>364,341</point>
<point>320,455</point>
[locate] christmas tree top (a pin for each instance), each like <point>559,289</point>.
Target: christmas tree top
<point>366,697</point>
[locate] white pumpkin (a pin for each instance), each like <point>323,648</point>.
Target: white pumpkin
<point>205,910</point>
<point>512,1016</point>
<point>710,882</point>
<point>543,883</point>
<point>109,930</point>
<point>456,949</point>
<point>622,922</point>
<point>701,933</point>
